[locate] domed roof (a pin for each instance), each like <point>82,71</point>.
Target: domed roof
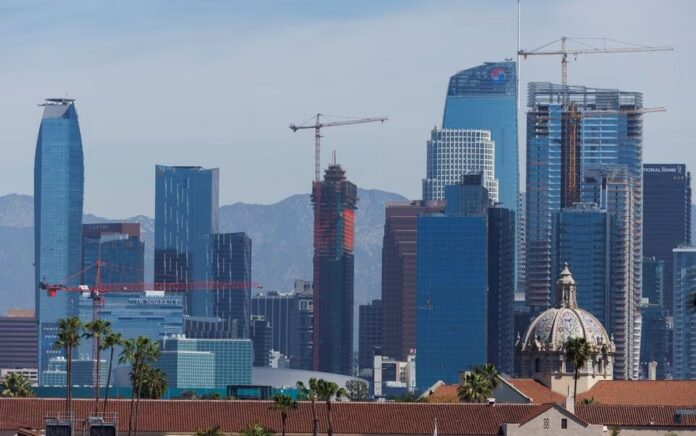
<point>552,328</point>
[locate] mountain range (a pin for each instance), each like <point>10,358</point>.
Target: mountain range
<point>281,236</point>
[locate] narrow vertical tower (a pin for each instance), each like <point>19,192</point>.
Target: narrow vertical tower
<point>334,201</point>
<point>58,200</point>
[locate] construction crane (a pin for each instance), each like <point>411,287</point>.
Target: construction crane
<point>318,124</point>
<point>585,46</point>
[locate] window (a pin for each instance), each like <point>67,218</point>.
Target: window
<point>564,423</point>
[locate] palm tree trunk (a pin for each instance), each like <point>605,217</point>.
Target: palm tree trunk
<point>284,417</point>
<point>328,413</point>
<point>96,388</point>
<point>132,402</point>
<point>137,401</point>
<point>315,421</point>
<point>575,388</point>
<point>68,379</point>
<point>108,380</point>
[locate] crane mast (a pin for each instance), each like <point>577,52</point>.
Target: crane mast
<point>318,124</point>
<point>585,46</point>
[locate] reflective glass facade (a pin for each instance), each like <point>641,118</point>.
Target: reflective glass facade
<point>485,97</point>
<point>655,345</point>
<point>119,248</point>
<point>369,332</point>
<point>188,369</point>
<point>58,201</point>
<point>186,214</point>
<point>684,345</point>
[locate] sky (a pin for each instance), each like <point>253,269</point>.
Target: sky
<point>217,83</point>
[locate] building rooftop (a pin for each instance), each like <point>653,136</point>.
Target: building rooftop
<point>535,391</point>
<point>643,392</point>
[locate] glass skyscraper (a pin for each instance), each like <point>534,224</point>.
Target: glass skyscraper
<point>684,342</point>
<point>118,247</point>
<point>186,214</point>
<point>58,201</point>
<point>485,97</point>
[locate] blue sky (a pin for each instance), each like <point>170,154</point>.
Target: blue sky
<point>216,83</point>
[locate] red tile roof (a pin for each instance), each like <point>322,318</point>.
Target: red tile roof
<point>643,392</point>
<point>444,394</point>
<point>538,393</point>
<point>187,416</point>
<point>662,416</point>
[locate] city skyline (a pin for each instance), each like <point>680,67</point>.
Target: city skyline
<point>204,100</point>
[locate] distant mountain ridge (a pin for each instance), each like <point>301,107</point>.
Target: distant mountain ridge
<point>281,236</point>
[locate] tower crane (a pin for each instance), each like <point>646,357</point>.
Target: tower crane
<point>318,124</point>
<point>586,46</point>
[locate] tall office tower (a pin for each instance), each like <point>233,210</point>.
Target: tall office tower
<point>666,215</point>
<point>654,339</point>
<point>684,341</point>
<point>399,276</point>
<point>262,339</point>
<point>230,261</point>
<point>485,97</point>
<point>614,188</point>
<point>118,246</point>
<point>291,317</point>
<point>452,286</point>
<point>454,152</point>
<point>521,217</point>
<point>334,201</point>
<point>570,128</point>
<point>369,332</point>
<point>582,239</point>
<point>501,288</point>
<point>58,198</point>
<point>18,340</point>
<point>186,214</point>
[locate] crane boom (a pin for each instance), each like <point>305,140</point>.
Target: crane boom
<point>317,135</point>
<point>586,48</point>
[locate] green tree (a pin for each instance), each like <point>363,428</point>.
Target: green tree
<point>15,385</point>
<point>255,429</point>
<point>489,372</point>
<point>96,330</point>
<point>137,352</point>
<point>615,431</point>
<point>212,431</point>
<point>154,383</point>
<point>283,403</point>
<point>357,390</point>
<point>211,396</point>
<point>310,393</point>
<point>578,352</point>
<point>68,340</point>
<point>476,388</point>
<point>110,342</point>
<point>327,391</point>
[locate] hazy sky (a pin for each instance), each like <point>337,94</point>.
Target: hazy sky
<point>216,83</point>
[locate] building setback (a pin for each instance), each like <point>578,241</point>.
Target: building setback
<point>369,332</point>
<point>119,247</point>
<point>58,202</point>
<point>666,215</point>
<point>334,200</point>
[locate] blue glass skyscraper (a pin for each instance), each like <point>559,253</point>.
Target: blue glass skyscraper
<point>186,214</point>
<point>118,247</point>
<point>58,201</point>
<point>485,97</point>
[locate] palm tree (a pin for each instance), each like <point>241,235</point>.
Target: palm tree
<point>577,351</point>
<point>15,385</point>
<point>327,391</point>
<point>283,403</point>
<point>96,329</point>
<point>489,372</point>
<point>154,383</point>
<point>137,352</point>
<point>310,393</point>
<point>475,389</point>
<point>111,341</point>
<point>146,351</point>
<point>68,340</point>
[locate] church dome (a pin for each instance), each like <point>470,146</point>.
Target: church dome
<point>552,328</point>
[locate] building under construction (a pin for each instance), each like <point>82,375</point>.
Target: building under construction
<point>334,201</point>
<point>573,132</point>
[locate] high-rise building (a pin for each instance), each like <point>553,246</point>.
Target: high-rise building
<point>582,240</point>
<point>18,341</point>
<point>58,201</point>
<point>521,217</point>
<point>452,287</point>
<point>118,247</point>
<point>654,339</point>
<point>291,318</point>
<point>399,276</point>
<point>485,97</point>
<point>666,215</point>
<point>186,214</point>
<point>454,152</point>
<point>262,339</point>
<point>613,189</point>
<point>369,332</point>
<point>684,340</point>
<point>334,200</point>
<point>230,261</point>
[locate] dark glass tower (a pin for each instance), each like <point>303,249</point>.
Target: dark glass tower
<point>666,216</point>
<point>186,214</point>
<point>369,332</point>
<point>119,247</point>
<point>334,201</point>
<point>58,201</point>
